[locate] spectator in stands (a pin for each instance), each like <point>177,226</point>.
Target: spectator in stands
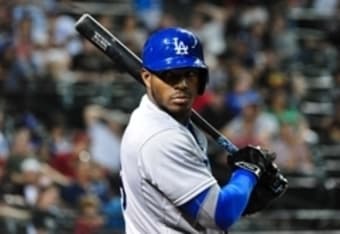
<point>149,12</point>
<point>37,13</point>
<point>21,148</point>
<point>61,45</point>
<point>100,185</point>
<point>112,211</point>
<point>5,23</point>
<point>325,8</point>
<point>34,174</point>
<point>60,142</point>
<point>131,33</point>
<point>218,75</point>
<point>215,111</point>
<point>3,178</point>
<point>80,186</point>
<point>293,154</point>
<point>89,220</point>
<point>108,196</point>
<point>22,69</point>
<point>331,133</point>
<point>63,33</point>
<point>253,126</point>
<point>105,188</point>
<point>253,12</point>
<point>4,146</point>
<point>336,77</point>
<point>168,20</point>
<point>241,88</point>
<point>31,180</point>
<point>283,39</point>
<point>46,213</point>
<point>207,21</point>
<point>105,128</point>
<point>280,107</point>
<point>270,75</point>
<point>90,178</point>
<point>317,53</point>
<point>66,162</point>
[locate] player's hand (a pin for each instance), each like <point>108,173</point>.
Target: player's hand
<point>271,183</point>
<point>251,158</point>
<point>270,187</point>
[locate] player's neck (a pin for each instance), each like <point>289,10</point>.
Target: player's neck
<point>181,117</point>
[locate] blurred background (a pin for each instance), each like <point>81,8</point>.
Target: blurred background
<point>274,81</point>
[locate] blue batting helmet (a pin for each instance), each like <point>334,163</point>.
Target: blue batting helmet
<point>175,48</point>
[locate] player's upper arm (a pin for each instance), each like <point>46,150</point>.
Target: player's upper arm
<point>172,163</point>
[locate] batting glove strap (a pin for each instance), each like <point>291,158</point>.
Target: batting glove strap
<point>249,167</point>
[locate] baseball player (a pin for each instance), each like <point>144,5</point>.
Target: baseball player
<point>167,184</point>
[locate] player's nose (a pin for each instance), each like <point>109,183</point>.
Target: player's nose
<point>182,82</point>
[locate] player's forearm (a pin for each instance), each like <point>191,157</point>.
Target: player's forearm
<point>233,198</point>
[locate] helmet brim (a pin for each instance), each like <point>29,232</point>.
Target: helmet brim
<point>177,63</point>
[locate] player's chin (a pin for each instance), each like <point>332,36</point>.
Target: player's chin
<point>180,107</point>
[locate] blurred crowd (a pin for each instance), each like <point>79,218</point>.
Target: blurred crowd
<point>274,81</point>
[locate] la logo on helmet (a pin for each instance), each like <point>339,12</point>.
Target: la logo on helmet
<point>180,47</point>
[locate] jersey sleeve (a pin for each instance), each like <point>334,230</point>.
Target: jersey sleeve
<point>173,163</point>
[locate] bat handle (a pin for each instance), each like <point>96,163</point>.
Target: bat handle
<point>226,144</point>
<point>213,132</point>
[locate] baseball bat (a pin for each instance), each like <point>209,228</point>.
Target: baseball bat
<point>122,56</point>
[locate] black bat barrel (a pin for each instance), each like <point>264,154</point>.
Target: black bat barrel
<point>112,47</point>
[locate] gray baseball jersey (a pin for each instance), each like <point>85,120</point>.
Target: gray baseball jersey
<point>163,167</point>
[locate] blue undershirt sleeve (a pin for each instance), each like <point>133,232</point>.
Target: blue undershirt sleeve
<point>232,199</point>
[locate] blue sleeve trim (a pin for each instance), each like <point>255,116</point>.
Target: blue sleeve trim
<point>193,206</point>
<point>232,199</point>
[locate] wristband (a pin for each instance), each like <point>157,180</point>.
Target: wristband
<point>250,167</point>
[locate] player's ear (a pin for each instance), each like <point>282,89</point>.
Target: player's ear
<point>146,77</point>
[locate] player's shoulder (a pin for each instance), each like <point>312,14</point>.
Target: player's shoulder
<point>163,130</point>
<point>151,116</point>
<point>147,121</point>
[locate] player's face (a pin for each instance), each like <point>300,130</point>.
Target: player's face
<point>174,90</point>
